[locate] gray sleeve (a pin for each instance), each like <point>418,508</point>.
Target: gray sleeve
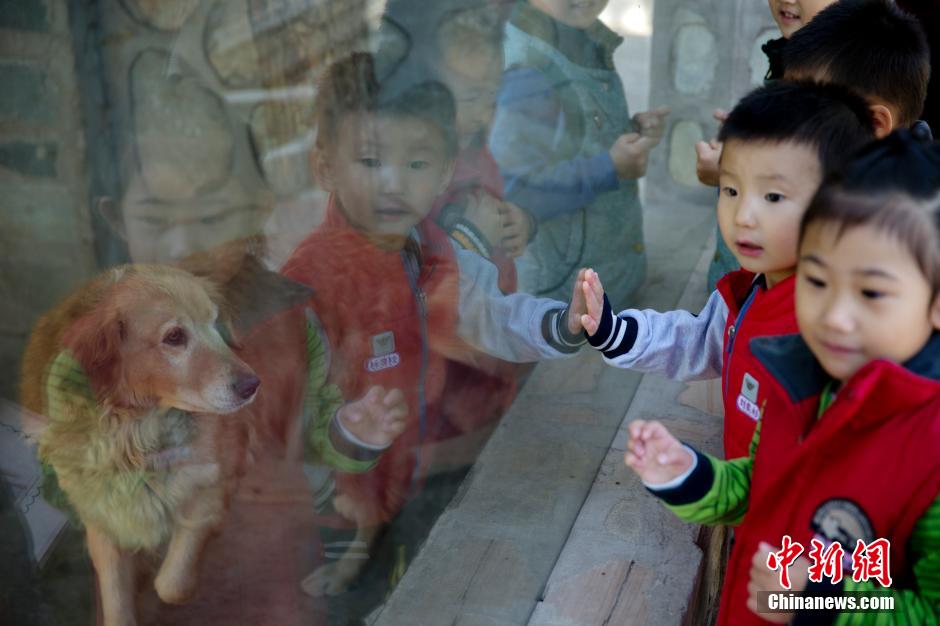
<point>516,327</point>
<point>677,344</point>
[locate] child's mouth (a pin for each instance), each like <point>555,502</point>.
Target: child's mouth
<point>749,249</point>
<point>391,214</point>
<point>789,17</point>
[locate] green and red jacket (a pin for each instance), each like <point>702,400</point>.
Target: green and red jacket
<point>867,468</point>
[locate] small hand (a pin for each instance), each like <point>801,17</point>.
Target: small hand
<point>484,212</point>
<point>652,124</point>
<point>517,228</point>
<point>654,454</point>
<point>707,156</point>
<point>630,153</point>
<point>377,418</point>
<point>762,578</point>
<point>587,302</point>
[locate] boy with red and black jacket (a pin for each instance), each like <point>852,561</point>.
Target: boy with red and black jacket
<point>394,297</point>
<point>780,141</point>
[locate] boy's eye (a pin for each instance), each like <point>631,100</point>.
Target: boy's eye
<point>773,197</point>
<point>370,162</point>
<point>731,192</point>
<point>420,165</point>
<point>872,294</point>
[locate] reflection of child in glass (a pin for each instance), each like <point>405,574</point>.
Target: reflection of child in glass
<point>780,141</point>
<point>568,148</point>
<point>853,453</point>
<point>392,295</point>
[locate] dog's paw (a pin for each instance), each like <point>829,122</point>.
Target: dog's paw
<point>332,579</point>
<point>175,587</point>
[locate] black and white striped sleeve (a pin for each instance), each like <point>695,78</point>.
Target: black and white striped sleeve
<point>616,335</point>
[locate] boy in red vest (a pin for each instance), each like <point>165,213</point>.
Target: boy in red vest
<point>847,466</point>
<point>392,295</point>
<point>779,142</point>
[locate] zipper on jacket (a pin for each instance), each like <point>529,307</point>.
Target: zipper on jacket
<point>413,271</point>
<point>733,333</point>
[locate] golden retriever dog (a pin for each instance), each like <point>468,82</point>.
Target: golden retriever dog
<point>133,371</point>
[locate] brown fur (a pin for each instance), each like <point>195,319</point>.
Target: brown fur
<point>124,329</point>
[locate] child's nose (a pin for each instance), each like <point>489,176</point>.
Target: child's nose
<point>745,215</point>
<point>392,179</point>
<point>838,315</point>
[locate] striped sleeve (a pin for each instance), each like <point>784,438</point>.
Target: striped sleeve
<point>325,440</point>
<point>615,335</point>
<point>717,492</point>
<point>678,344</point>
<point>556,334</point>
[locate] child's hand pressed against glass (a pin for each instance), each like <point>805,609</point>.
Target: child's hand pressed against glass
<point>587,303</point>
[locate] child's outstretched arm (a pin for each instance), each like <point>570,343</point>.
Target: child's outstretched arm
<point>677,344</point>
<point>695,486</point>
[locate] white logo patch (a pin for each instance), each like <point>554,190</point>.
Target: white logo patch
<point>748,408</point>
<point>384,362</point>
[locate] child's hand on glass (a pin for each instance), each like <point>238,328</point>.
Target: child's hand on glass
<point>707,155</point>
<point>762,578</point>
<point>587,303</point>
<point>377,418</point>
<point>485,213</point>
<point>630,154</point>
<point>654,454</point>
<point>518,226</point>
<point>652,124</point>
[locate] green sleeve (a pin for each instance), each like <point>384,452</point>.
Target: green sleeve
<point>919,606</point>
<point>321,402</point>
<point>726,501</point>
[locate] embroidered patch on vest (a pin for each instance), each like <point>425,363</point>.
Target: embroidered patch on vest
<point>838,519</point>
<point>384,355</point>
<point>747,399</point>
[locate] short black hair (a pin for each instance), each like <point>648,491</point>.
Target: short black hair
<point>870,46</point>
<point>892,184</point>
<point>350,86</point>
<point>829,118</point>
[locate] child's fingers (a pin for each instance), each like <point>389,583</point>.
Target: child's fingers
<point>393,397</point>
<point>720,115</point>
<point>590,326</point>
<point>636,428</point>
<point>374,395</point>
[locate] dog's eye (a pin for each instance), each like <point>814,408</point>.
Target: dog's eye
<point>176,337</point>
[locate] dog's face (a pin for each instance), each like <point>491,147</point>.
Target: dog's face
<point>158,342</point>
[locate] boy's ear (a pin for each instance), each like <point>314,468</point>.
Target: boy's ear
<point>935,312</point>
<point>882,119</point>
<point>322,169</point>
<point>108,210</point>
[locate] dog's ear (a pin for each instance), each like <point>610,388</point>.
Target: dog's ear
<point>95,341</point>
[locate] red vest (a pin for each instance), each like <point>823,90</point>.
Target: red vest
<point>381,324</point>
<point>867,470</point>
<point>753,311</point>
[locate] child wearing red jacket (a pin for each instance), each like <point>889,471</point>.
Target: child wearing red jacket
<point>780,141</point>
<point>847,465</point>
<point>392,295</point>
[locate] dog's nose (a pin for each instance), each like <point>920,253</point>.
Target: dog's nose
<point>246,386</point>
